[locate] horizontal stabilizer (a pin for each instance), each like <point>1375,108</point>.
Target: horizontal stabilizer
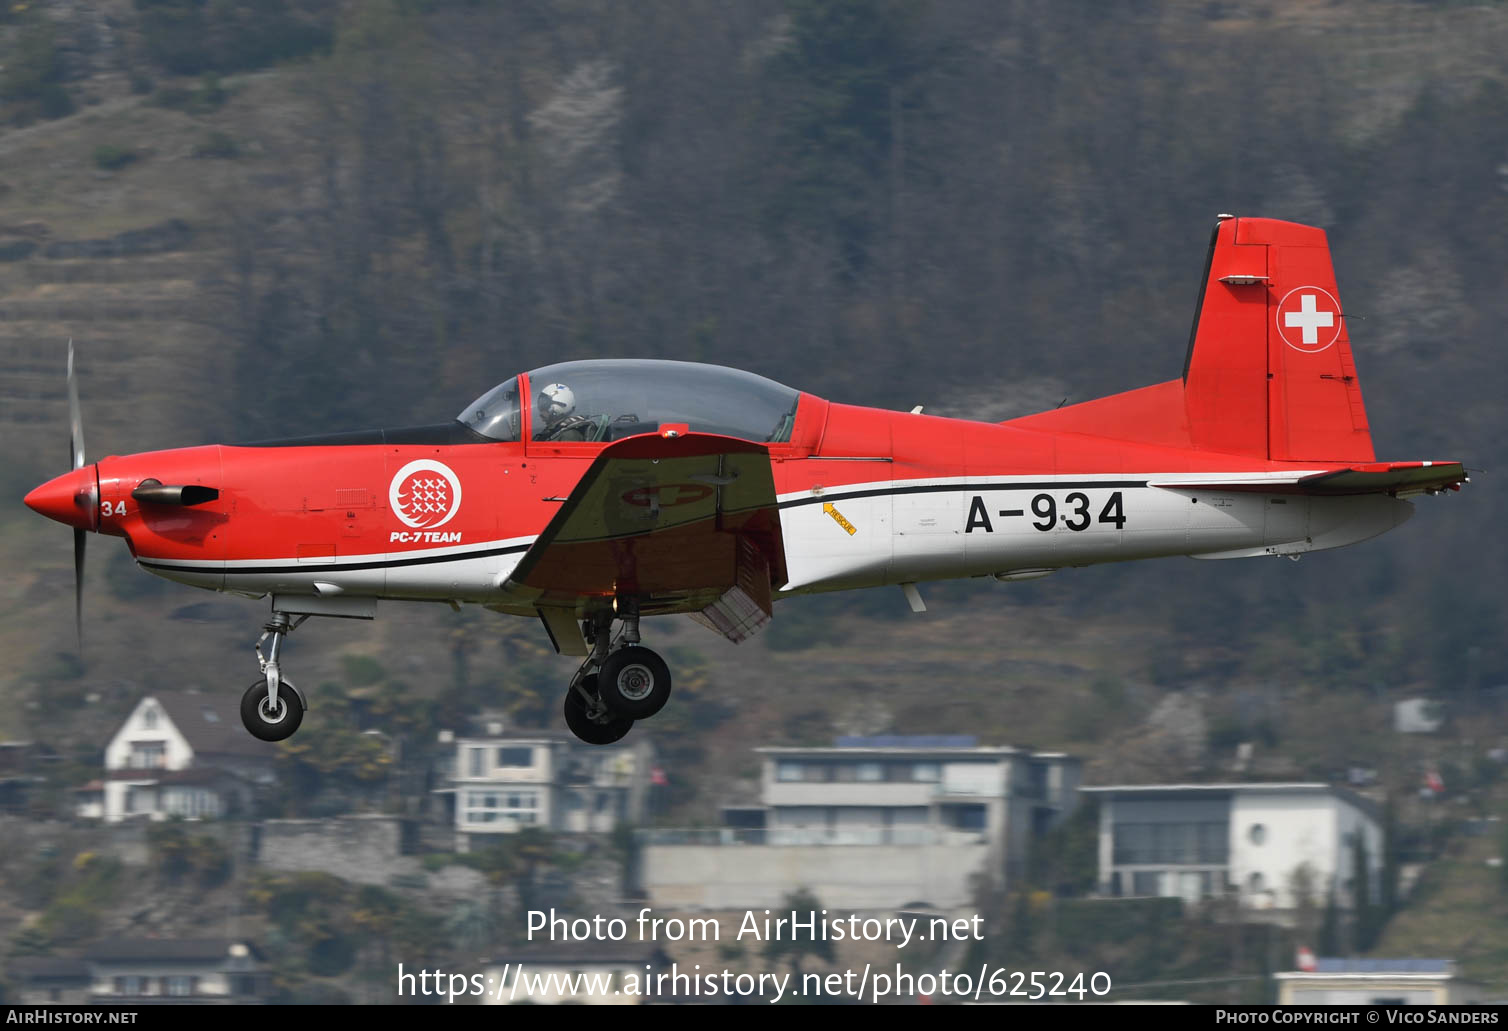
<point>1398,478</point>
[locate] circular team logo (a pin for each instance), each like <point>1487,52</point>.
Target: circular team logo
<point>425,494</point>
<point>1309,319</point>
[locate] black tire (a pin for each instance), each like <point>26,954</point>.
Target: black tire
<point>254,712</point>
<point>589,730</point>
<point>634,682</point>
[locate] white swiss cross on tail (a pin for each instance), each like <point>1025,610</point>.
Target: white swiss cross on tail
<point>1308,318</point>
<point>425,494</point>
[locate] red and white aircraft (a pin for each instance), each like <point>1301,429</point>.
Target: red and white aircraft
<point>589,494</point>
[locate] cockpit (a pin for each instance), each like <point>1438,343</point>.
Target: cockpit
<point>606,400</point>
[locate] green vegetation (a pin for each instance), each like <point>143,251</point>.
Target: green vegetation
<point>31,82</point>
<point>178,853</point>
<point>324,927</point>
<point>112,158</point>
<point>187,37</point>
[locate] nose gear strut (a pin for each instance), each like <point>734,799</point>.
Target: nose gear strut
<point>272,708</point>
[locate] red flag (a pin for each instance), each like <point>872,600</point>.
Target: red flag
<point>657,777</point>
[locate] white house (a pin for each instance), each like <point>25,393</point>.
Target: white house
<point>1197,841</point>
<point>873,823</point>
<point>1376,982</point>
<point>504,782</point>
<point>176,970</point>
<point>180,754</point>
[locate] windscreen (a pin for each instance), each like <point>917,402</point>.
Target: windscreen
<point>609,400</point>
<point>496,413</point>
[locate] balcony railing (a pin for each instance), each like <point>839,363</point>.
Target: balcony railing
<point>789,836</point>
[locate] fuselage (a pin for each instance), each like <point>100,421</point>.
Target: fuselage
<point>865,497</point>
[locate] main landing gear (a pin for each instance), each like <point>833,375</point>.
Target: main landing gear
<point>272,708</point>
<point>621,681</point>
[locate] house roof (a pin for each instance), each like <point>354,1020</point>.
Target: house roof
<point>211,723</point>
<point>1361,802</point>
<point>1433,971</point>
<point>48,968</point>
<point>203,776</point>
<point>1382,966</point>
<point>166,949</point>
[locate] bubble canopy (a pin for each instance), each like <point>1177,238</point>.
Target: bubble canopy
<point>610,399</point>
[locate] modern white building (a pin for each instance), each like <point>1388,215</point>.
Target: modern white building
<point>503,782</point>
<point>183,755</point>
<point>1376,982</point>
<point>872,823</point>
<point>1198,841</point>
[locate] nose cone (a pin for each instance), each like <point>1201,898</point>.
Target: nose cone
<point>72,499</point>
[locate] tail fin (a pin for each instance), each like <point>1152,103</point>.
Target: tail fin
<point>1269,370</point>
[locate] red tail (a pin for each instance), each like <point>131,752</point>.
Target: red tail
<point>1269,371</point>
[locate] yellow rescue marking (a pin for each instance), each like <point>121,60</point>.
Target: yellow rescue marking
<point>827,506</point>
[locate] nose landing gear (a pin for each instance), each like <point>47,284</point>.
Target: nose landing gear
<point>272,708</point>
<point>621,681</point>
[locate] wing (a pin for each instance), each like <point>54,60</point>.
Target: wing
<point>684,523</point>
<point>1396,478</point>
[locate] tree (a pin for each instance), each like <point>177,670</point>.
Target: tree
<point>798,945</point>
<point>1329,943</point>
<point>1366,919</point>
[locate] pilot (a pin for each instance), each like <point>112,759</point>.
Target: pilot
<point>558,419</point>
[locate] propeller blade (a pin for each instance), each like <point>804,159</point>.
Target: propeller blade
<point>80,542</point>
<point>75,416</point>
<point>80,537</point>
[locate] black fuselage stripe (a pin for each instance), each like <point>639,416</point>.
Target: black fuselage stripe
<point>977,488</point>
<point>337,567</point>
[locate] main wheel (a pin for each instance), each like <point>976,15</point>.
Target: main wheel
<point>587,729</point>
<point>635,682</point>
<point>266,724</point>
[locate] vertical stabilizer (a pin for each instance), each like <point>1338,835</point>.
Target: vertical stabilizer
<point>1269,371</point>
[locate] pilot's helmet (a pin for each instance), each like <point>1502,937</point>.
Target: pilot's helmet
<point>555,402</point>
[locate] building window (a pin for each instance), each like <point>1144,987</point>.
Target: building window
<point>1255,883</point>
<point>1201,844</point>
<point>515,757</point>
<point>926,773</point>
<point>178,984</point>
<point>804,773</point>
<point>494,806</point>
<point>1257,834</point>
<point>871,772</point>
<point>130,985</point>
<point>149,717</point>
<point>1146,882</point>
<point>477,758</point>
<point>149,755</point>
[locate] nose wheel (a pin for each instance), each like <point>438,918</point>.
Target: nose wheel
<point>272,708</point>
<point>271,721</point>
<point>620,682</point>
